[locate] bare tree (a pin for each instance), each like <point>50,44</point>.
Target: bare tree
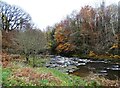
<point>31,41</point>
<point>13,17</point>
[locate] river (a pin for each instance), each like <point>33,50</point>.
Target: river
<point>107,68</point>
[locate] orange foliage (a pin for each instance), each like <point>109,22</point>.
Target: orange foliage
<point>64,47</point>
<point>88,15</point>
<point>62,37</point>
<point>116,56</point>
<point>114,46</point>
<point>92,54</point>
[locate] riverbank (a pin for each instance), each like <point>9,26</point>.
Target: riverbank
<point>101,80</point>
<point>104,71</point>
<point>18,73</point>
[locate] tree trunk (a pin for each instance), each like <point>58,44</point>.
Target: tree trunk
<point>33,61</point>
<point>27,58</point>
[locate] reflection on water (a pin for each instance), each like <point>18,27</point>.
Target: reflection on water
<point>107,69</point>
<point>82,72</point>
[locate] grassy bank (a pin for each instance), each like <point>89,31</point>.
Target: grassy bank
<point>19,74</point>
<point>27,76</point>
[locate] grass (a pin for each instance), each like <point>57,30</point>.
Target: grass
<point>67,80</point>
<point>6,72</point>
<point>10,80</point>
<point>38,62</point>
<point>20,74</point>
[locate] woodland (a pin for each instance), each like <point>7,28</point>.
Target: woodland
<point>88,34</point>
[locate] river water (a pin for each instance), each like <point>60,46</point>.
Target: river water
<point>107,68</point>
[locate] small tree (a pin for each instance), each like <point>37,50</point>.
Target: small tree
<point>31,41</point>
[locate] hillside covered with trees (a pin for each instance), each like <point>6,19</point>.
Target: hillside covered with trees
<point>87,32</point>
<point>90,33</point>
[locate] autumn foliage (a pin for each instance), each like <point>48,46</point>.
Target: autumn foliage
<point>62,39</point>
<point>87,31</point>
<point>87,14</point>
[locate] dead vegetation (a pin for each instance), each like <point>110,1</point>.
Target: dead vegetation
<point>31,75</point>
<point>102,81</point>
<point>6,59</point>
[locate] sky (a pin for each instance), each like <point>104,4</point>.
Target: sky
<point>48,12</point>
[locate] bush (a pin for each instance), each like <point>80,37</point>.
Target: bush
<point>92,54</point>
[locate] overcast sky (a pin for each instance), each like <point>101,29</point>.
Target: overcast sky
<point>48,12</point>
